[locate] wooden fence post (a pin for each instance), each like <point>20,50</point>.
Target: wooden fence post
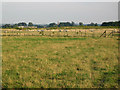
<point>103,34</point>
<point>111,33</point>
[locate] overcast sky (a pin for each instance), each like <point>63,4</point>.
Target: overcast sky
<point>47,12</point>
<point>60,0</point>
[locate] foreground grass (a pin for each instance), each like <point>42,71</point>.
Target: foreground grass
<point>33,61</point>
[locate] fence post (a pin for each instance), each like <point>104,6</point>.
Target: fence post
<point>111,34</point>
<point>105,33</point>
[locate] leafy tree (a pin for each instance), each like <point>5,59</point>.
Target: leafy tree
<point>72,24</point>
<point>65,24</point>
<point>92,24</point>
<point>80,23</point>
<point>52,25</point>
<point>15,26</point>
<point>95,24</point>
<point>30,24</point>
<point>117,23</point>
<point>6,26</point>
<point>22,24</point>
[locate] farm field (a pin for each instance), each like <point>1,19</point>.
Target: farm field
<point>59,62</point>
<point>60,32</point>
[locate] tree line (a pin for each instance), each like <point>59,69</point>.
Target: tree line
<point>16,26</point>
<point>60,24</point>
<point>116,23</point>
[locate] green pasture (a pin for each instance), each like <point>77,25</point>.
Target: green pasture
<point>59,62</point>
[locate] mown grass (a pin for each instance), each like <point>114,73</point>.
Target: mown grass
<point>56,62</point>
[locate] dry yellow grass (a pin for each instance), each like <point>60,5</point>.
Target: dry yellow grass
<point>34,61</point>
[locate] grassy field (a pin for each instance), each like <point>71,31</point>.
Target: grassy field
<point>60,32</point>
<point>70,62</point>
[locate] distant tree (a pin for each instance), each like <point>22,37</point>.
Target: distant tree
<point>52,25</point>
<point>104,24</point>
<point>117,23</point>
<point>72,24</point>
<point>95,24</point>
<point>22,24</point>
<point>39,26</point>
<point>15,26</point>
<point>30,24</point>
<point>80,23</point>
<point>64,24</point>
<point>92,24</point>
<point>6,26</point>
